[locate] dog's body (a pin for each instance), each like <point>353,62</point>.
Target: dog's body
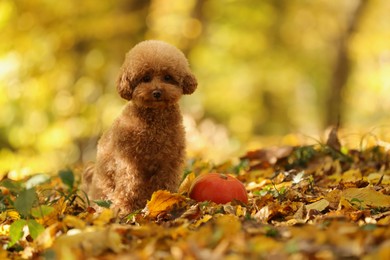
<point>144,149</point>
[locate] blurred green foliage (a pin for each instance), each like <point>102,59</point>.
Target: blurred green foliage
<point>264,68</point>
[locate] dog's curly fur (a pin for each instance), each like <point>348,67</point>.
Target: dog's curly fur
<point>144,149</point>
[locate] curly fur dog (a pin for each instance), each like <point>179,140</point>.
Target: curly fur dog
<point>144,149</point>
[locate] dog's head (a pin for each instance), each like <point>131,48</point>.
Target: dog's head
<point>155,73</point>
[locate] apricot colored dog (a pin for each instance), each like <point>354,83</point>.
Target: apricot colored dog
<point>144,149</point>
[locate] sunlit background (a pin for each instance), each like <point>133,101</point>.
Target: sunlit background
<point>269,72</point>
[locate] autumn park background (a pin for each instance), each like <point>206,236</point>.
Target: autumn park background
<point>265,68</point>
<point>270,73</point>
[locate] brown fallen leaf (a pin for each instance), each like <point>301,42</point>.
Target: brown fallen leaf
<point>310,204</point>
<point>333,140</point>
<point>366,197</point>
<point>264,158</point>
<point>161,201</point>
<point>384,221</point>
<point>318,205</point>
<point>333,197</point>
<point>353,176</point>
<point>300,213</point>
<point>378,178</point>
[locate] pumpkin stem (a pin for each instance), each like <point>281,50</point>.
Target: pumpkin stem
<point>223,176</point>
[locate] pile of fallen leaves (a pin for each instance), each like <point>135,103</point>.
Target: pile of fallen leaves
<point>309,202</point>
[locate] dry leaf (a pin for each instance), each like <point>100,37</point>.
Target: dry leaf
<point>193,212</point>
<point>92,242</point>
<point>300,214</point>
<point>333,140</point>
<point>186,184</point>
<point>104,217</point>
<point>264,158</point>
<point>340,218</point>
<point>333,198</point>
<point>75,222</point>
<point>367,197</point>
<point>352,175</point>
<point>240,211</point>
<point>228,224</point>
<point>318,205</point>
<point>267,212</point>
<point>376,177</point>
<point>47,238</point>
<point>161,201</point>
<point>204,219</point>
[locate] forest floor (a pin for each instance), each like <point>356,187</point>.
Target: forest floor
<point>318,201</point>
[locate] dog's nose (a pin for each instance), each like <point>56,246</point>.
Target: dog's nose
<point>157,94</point>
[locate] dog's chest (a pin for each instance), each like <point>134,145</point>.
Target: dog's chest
<point>159,148</point>
<point>152,140</point>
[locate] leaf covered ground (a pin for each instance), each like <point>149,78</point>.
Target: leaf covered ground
<point>308,202</point>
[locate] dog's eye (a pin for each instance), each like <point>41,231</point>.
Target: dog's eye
<point>168,78</point>
<point>146,78</point>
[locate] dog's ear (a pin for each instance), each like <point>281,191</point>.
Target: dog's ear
<point>189,84</point>
<point>123,86</point>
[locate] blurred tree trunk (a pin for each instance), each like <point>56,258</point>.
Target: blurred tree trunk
<point>342,68</point>
<point>198,14</point>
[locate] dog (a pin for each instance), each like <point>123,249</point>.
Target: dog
<point>144,150</point>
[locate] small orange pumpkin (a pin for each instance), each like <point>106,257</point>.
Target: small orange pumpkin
<point>218,188</point>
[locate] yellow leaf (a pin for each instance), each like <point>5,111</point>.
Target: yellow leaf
<point>186,184</point>
<point>73,221</point>
<point>352,175</point>
<point>4,230</point>
<point>376,177</point>
<point>180,231</point>
<point>367,197</point>
<point>12,214</point>
<point>146,231</point>
<point>104,217</point>
<point>345,204</point>
<point>318,205</point>
<point>240,211</point>
<point>384,221</point>
<point>3,216</point>
<point>264,244</point>
<point>333,197</point>
<point>47,238</point>
<point>204,219</point>
<point>161,201</point>
<point>3,254</point>
<point>229,224</point>
<point>89,243</point>
<point>383,251</point>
